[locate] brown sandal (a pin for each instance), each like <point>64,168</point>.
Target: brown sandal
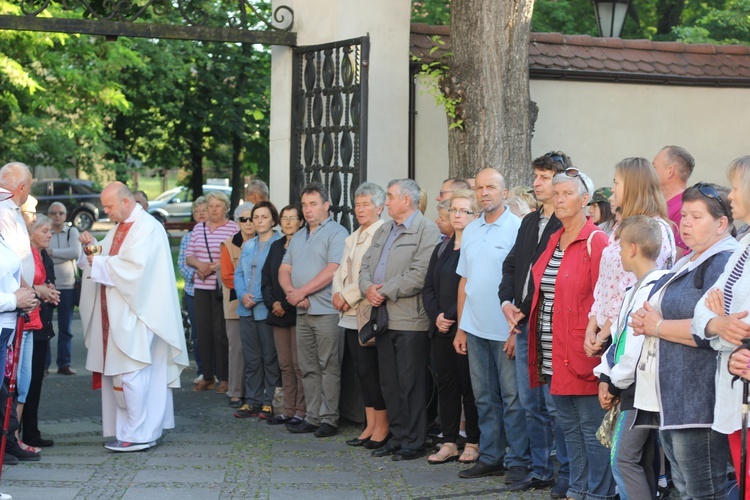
<point>470,454</point>
<point>448,453</point>
<point>223,388</point>
<point>204,385</point>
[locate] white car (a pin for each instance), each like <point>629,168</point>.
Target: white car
<point>176,204</point>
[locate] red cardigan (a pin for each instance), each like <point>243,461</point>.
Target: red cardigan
<point>574,294</point>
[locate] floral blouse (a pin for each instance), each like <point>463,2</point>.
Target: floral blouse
<point>614,280</point>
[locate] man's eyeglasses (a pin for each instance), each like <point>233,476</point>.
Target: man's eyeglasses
<point>460,211</point>
<point>709,191</point>
<point>245,219</point>
<point>56,213</point>
<point>574,172</point>
<point>290,219</point>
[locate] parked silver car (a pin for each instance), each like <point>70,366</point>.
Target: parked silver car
<point>176,204</point>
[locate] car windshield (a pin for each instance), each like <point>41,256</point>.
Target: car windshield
<point>168,195</point>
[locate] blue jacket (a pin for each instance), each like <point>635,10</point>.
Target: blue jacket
<point>243,277</point>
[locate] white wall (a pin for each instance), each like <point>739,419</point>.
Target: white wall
<point>599,124</point>
<point>322,21</point>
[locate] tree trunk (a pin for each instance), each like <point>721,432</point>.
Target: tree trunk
<point>490,40</point>
<point>196,162</point>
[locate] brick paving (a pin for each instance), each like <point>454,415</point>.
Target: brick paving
<point>212,455</point>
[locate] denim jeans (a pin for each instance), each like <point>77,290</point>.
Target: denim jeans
<point>24,366</point>
<point>5,335</point>
<point>541,418</point>
<point>699,461</point>
<point>64,324</point>
<point>590,473</point>
<point>493,379</point>
<point>189,302</point>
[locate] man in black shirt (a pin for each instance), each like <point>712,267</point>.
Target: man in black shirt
<point>516,292</point>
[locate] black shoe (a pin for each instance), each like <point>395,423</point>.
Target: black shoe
<point>531,483</point>
<point>482,469</point>
<point>516,473</point>
<point>304,428</point>
<point>358,442</point>
<point>385,450</point>
<point>9,459</point>
<point>278,420</point>
<point>294,422</point>
<point>407,454</point>
<point>39,442</point>
<point>326,430</point>
<point>24,456</point>
<point>560,489</point>
<point>376,445</point>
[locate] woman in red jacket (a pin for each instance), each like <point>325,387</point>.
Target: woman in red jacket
<point>564,280</point>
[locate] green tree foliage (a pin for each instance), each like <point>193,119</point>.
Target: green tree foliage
<point>80,101</point>
<point>728,25</point>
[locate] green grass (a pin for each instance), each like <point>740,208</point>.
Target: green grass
<point>152,185</point>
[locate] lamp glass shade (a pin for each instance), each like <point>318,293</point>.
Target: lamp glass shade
<point>610,16</point>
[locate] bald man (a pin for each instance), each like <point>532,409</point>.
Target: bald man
<point>132,324</point>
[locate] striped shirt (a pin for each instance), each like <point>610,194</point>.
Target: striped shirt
<point>734,276</point>
<point>197,248</point>
<point>547,291</point>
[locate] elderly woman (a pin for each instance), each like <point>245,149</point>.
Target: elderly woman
<point>261,361</point>
<point>40,234</point>
<point>722,317</point>
<point>369,201</point>
<point>564,279</point>
<point>674,362</point>
<point>440,296</point>
<point>231,248</point>
<point>200,214</point>
<point>636,192</point>
<point>203,254</point>
<point>282,317</point>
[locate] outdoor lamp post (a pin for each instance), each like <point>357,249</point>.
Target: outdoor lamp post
<point>610,16</point>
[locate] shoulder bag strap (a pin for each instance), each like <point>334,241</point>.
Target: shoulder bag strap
<point>205,238</point>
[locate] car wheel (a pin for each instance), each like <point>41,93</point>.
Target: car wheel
<point>83,220</point>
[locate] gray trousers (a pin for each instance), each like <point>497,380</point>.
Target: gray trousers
<point>261,364</point>
<point>632,454</point>
<point>320,348</point>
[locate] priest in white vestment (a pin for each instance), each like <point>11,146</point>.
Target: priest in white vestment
<point>132,324</point>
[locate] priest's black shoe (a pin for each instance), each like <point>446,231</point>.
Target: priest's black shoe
<point>303,428</point>
<point>39,442</point>
<point>407,454</point>
<point>386,450</point>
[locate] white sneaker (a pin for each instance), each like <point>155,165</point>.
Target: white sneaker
<point>5,496</point>
<point>198,379</point>
<point>125,446</point>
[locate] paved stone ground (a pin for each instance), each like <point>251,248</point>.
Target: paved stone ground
<point>212,455</point>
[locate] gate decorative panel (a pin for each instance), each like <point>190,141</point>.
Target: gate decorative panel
<point>329,122</point>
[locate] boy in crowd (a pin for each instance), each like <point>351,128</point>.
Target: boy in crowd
<point>632,456</point>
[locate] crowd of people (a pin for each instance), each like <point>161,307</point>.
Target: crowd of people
<point>599,328</point>
<point>591,306</point>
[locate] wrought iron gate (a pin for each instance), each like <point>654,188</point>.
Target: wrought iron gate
<point>329,122</point>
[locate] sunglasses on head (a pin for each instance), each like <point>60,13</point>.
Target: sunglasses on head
<point>574,172</point>
<point>557,158</point>
<point>710,192</point>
